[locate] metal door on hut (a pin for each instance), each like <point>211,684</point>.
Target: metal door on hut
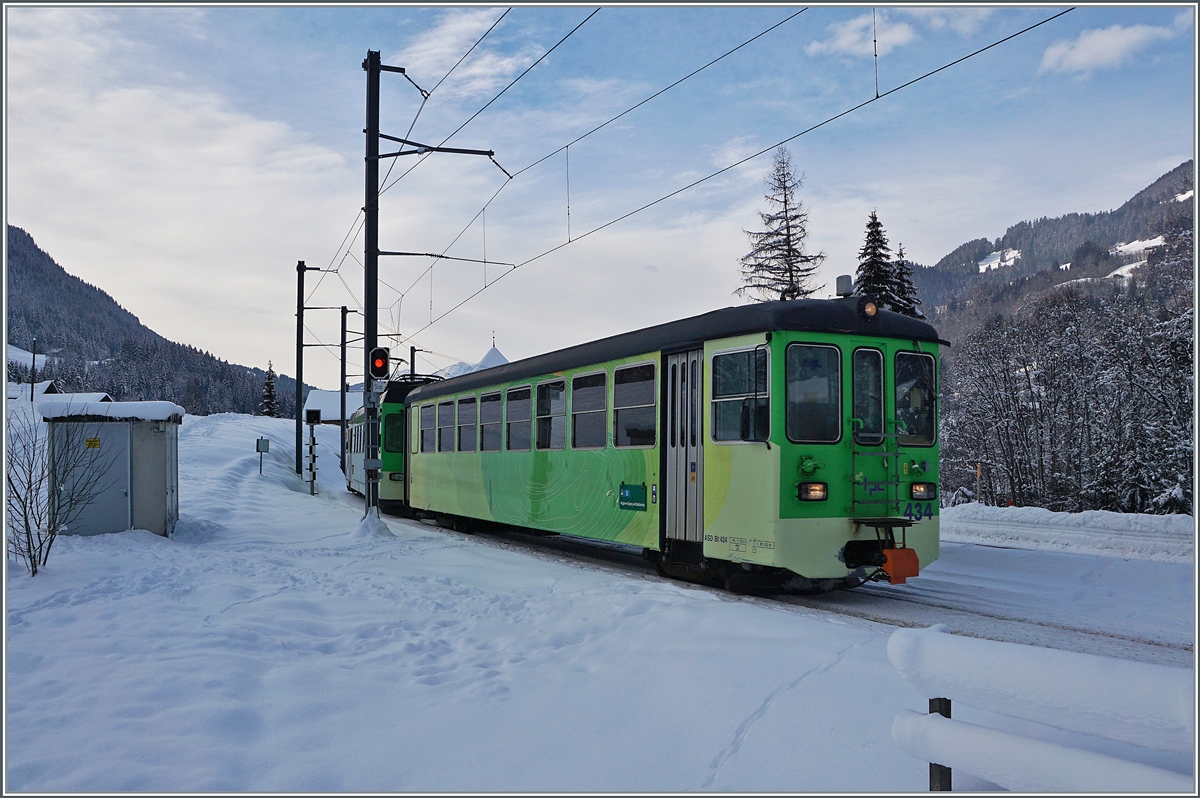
<point>684,443</point>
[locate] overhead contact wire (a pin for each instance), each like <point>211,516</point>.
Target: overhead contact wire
<point>425,95</point>
<point>541,58</point>
<point>603,125</point>
<point>744,160</point>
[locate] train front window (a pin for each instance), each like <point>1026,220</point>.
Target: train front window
<point>519,420</point>
<point>428,428</point>
<point>551,415</point>
<point>916,391</point>
<point>393,432</point>
<point>741,406</point>
<point>446,426</point>
<point>868,396</point>
<point>589,401</point>
<point>466,425</point>
<point>814,394</point>
<point>633,406</point>
<point>489,423</point>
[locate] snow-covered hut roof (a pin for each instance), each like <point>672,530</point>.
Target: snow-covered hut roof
<point>330,404</point>
<point>111,411</point>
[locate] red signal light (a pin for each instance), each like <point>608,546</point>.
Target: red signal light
<point>379,363</point>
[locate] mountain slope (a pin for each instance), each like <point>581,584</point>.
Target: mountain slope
<point>101,346</point>
<point>1046,243</point>
<point>60,310</point>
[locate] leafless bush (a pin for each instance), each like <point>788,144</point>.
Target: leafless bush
<point>49,485</point>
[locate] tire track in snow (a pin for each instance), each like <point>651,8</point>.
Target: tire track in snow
<point>739,734</point>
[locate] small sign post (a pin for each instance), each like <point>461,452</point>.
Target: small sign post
<point>263,445</point>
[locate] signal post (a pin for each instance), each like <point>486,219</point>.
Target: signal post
<point>378,368</point>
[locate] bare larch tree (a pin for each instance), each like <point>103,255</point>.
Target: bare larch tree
<point>777,266</point>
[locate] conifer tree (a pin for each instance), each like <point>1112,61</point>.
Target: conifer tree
<point>875,277</point>
<point>270,404</point>
<point>906,293</point>
<point>777,265</point>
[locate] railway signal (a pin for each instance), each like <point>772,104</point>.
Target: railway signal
<point>380,367</point>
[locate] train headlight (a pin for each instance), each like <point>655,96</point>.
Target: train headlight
<point>867,308</point>
<point>924,490</point>
<point>812,491</point>
<point>396,476</point>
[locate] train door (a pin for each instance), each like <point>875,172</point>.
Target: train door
<point>684,444</point>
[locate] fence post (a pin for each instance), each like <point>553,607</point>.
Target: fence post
<point>939,775</point>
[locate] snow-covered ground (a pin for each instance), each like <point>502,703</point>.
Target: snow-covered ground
<point>1134,247</point>
<point>23,357</point>
<point>266,647</point>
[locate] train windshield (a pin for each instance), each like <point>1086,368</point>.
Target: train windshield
<point>915,394</point>
<point>868,396</point>
<point>814,394</point>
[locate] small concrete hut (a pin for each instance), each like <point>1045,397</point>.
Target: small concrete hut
<point>137,445</point>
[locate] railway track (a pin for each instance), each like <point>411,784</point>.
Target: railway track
<point>965,606</point>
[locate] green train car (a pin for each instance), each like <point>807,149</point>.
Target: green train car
<point>780,445</point>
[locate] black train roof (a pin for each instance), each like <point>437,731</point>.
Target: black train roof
<point>802,315</point>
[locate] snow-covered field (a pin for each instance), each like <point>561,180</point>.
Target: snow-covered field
<point>264,647</point>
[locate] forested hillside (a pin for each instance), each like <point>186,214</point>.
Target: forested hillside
<point>1078,396</point>
<point>100,346</point>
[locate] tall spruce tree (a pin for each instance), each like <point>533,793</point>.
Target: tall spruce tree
<point>270,404</point>
<point>876,277</point>
<point>906,293</point>
<point>777,265</point>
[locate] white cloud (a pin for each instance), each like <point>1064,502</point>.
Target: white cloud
<point>440,48</point>
<point>961,20</point>
<point>854,37</point>
<point>1101,48</point>
<point>191,214</point>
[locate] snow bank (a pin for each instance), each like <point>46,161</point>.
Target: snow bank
<point>1132,702</point>
<point>1157,538</point>
<point>371,526</point>
<point>117,411</point>
<point>1023,764</point>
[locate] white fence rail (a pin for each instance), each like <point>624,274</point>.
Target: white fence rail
<point>1145,705</point>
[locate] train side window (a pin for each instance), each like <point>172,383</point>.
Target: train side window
<point>868,396</point>
<point>519,420</point>
<point>393,432</point>
<point>446,426</point>
<point>414,428</point>
<point>489,423</point>
<point>552,415</point>
<point>814,393</point>
<point>741,403</point>
<point>916,392</point>
<point>466,424</point>
<point>428,430</point>
<point>633,406</point>
<point>589,411</point>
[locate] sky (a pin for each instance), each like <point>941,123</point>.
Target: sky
<point>183,159</point>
